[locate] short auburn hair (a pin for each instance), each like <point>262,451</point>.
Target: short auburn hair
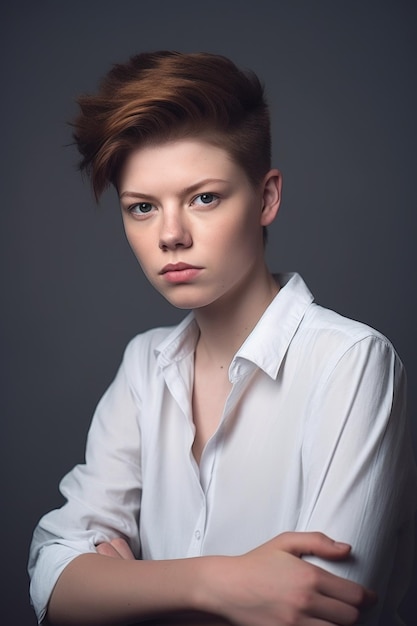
<point>164,95</point>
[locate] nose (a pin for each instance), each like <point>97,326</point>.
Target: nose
<point>174,231</point>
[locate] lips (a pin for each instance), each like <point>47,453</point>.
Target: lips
<point>177,267</point>
<point>180,272</point>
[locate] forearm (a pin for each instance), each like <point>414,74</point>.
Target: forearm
<point>95,589</point>
<point>265,585</point>
<point>188,619</point>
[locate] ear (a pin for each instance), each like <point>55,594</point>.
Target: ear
<point>271,196</point>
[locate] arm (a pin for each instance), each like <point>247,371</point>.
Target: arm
<point>359,472</point>
<point>103,495</point>
<point>270,585</point>
<point>103,504</point>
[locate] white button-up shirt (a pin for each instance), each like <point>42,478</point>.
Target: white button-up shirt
<point>313,437</point>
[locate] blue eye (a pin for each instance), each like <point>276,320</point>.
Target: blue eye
<point>140,208</point>
<point>205,198</point>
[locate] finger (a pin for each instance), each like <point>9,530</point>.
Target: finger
<point>106,549</point>
<point>316,621</point>
<point>313,543</point>
<point>123,548</point>
<point>333,611</point>
<point>346,591</point>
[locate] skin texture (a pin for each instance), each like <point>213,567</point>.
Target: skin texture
<point>187,202</point>
<point>168,219</point>
<point>348,601</point>
<point>267,586</point>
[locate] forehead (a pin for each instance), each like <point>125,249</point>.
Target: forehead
<point>177,161</point>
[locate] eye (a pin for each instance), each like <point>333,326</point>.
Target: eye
<point>205,199</point>
<point>141,208</point>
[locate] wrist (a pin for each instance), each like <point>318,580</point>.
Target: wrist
<point>211,584</point>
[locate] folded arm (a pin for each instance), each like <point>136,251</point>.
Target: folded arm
<point>267,586</point>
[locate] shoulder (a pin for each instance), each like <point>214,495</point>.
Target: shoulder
<point>325,321</point>
<point>332,343</point>
<point>140,351</point>
<point>321,335</point>
<point>337,333</point>
<point>357,381</point>
<point>147,353</point>
<point>149,339</point>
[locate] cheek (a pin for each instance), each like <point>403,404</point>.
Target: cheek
<point>135,236</point>
<point>240,224</point>
<point>139,246</point>
<point>239,235</point>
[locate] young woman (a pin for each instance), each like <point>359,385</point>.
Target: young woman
<point>252,463</point>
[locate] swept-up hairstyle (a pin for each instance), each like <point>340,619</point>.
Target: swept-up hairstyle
<point>166,95</point>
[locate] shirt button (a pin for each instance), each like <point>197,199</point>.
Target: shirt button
<point>197,534</point>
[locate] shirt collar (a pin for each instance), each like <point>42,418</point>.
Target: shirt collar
<point>179,343</point>
<point>268,342</point>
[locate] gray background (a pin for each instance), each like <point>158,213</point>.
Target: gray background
<point>341,81</point>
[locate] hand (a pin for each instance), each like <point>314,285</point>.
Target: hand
<point>273,586</point>
<point>117,548</point>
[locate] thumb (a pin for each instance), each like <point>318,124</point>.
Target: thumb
<point>314,543</point>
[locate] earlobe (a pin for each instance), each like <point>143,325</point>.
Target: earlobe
<point>272,189</point>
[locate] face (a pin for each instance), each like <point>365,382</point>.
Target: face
<point>194,221</point>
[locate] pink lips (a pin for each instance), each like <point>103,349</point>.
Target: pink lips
<point>179,272</point>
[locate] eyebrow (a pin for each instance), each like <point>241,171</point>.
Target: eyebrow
<point>185,191</point>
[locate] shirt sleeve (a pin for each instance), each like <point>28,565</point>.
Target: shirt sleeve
<point>103,495</point>
<point>358,468</point>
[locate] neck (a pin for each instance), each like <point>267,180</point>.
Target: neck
<point>224,325</point>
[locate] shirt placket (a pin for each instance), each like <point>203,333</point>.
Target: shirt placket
<point>238,376</point>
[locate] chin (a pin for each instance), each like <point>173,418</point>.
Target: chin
<point>186,303</point>
<point>179,298</point>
